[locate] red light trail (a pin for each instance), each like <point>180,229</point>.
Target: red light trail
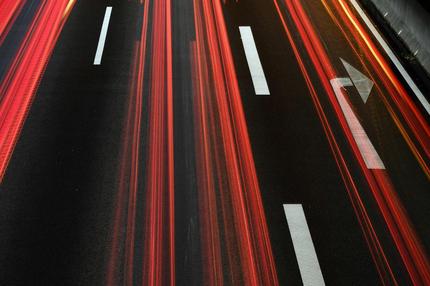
<point>234,233</point>
<point>158,267</point>
<point>20,83</point>
<point>234,237</point>
<point>398,223</point>
<point>159,259</point>
<point>9,11</point>
<point>226,172</point>
<point>396,93</point>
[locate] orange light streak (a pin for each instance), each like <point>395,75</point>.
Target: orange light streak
<point>390,74</point>
<point>395,90</point>
<point>421,158</point>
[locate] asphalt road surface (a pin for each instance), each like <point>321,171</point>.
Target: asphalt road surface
<point>205,142</point>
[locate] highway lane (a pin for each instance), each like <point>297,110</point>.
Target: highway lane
<point>60,186</point>
<point>337,46</point>
<point>140,170</point>
<point>293,156</point>
<point>400,162</point>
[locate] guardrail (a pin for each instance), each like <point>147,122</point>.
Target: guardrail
<point>412,24</point>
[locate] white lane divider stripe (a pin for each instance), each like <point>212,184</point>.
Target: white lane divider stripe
<point>254,63</point>
<point>367,150</point>
<point>303,246</point>
<point>103,34</point>
<point>392,56</point>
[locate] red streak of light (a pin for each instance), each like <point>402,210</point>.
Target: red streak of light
<point>21,81</point>
<point>158,265</point>
<point>210,229</point>
<point>399,226</point>
<point>411,251</point>
<point>219,116</point>
<point>381,75</point>
<point>159,258</point>
<point>412,115</point>
<point>376,250</point>
<point>9,10</point>
<point>129,168</point>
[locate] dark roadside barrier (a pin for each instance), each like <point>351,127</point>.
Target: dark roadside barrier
<point>411,21</point>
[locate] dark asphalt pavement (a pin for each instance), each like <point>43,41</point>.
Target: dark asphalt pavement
<point>59,194</point>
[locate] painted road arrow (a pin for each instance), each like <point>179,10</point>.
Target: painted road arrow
<point>367,150</point>
<point>363,84</point>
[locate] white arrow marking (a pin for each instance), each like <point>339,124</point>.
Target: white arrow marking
<point>363,84</point>
<point>367,150</point>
